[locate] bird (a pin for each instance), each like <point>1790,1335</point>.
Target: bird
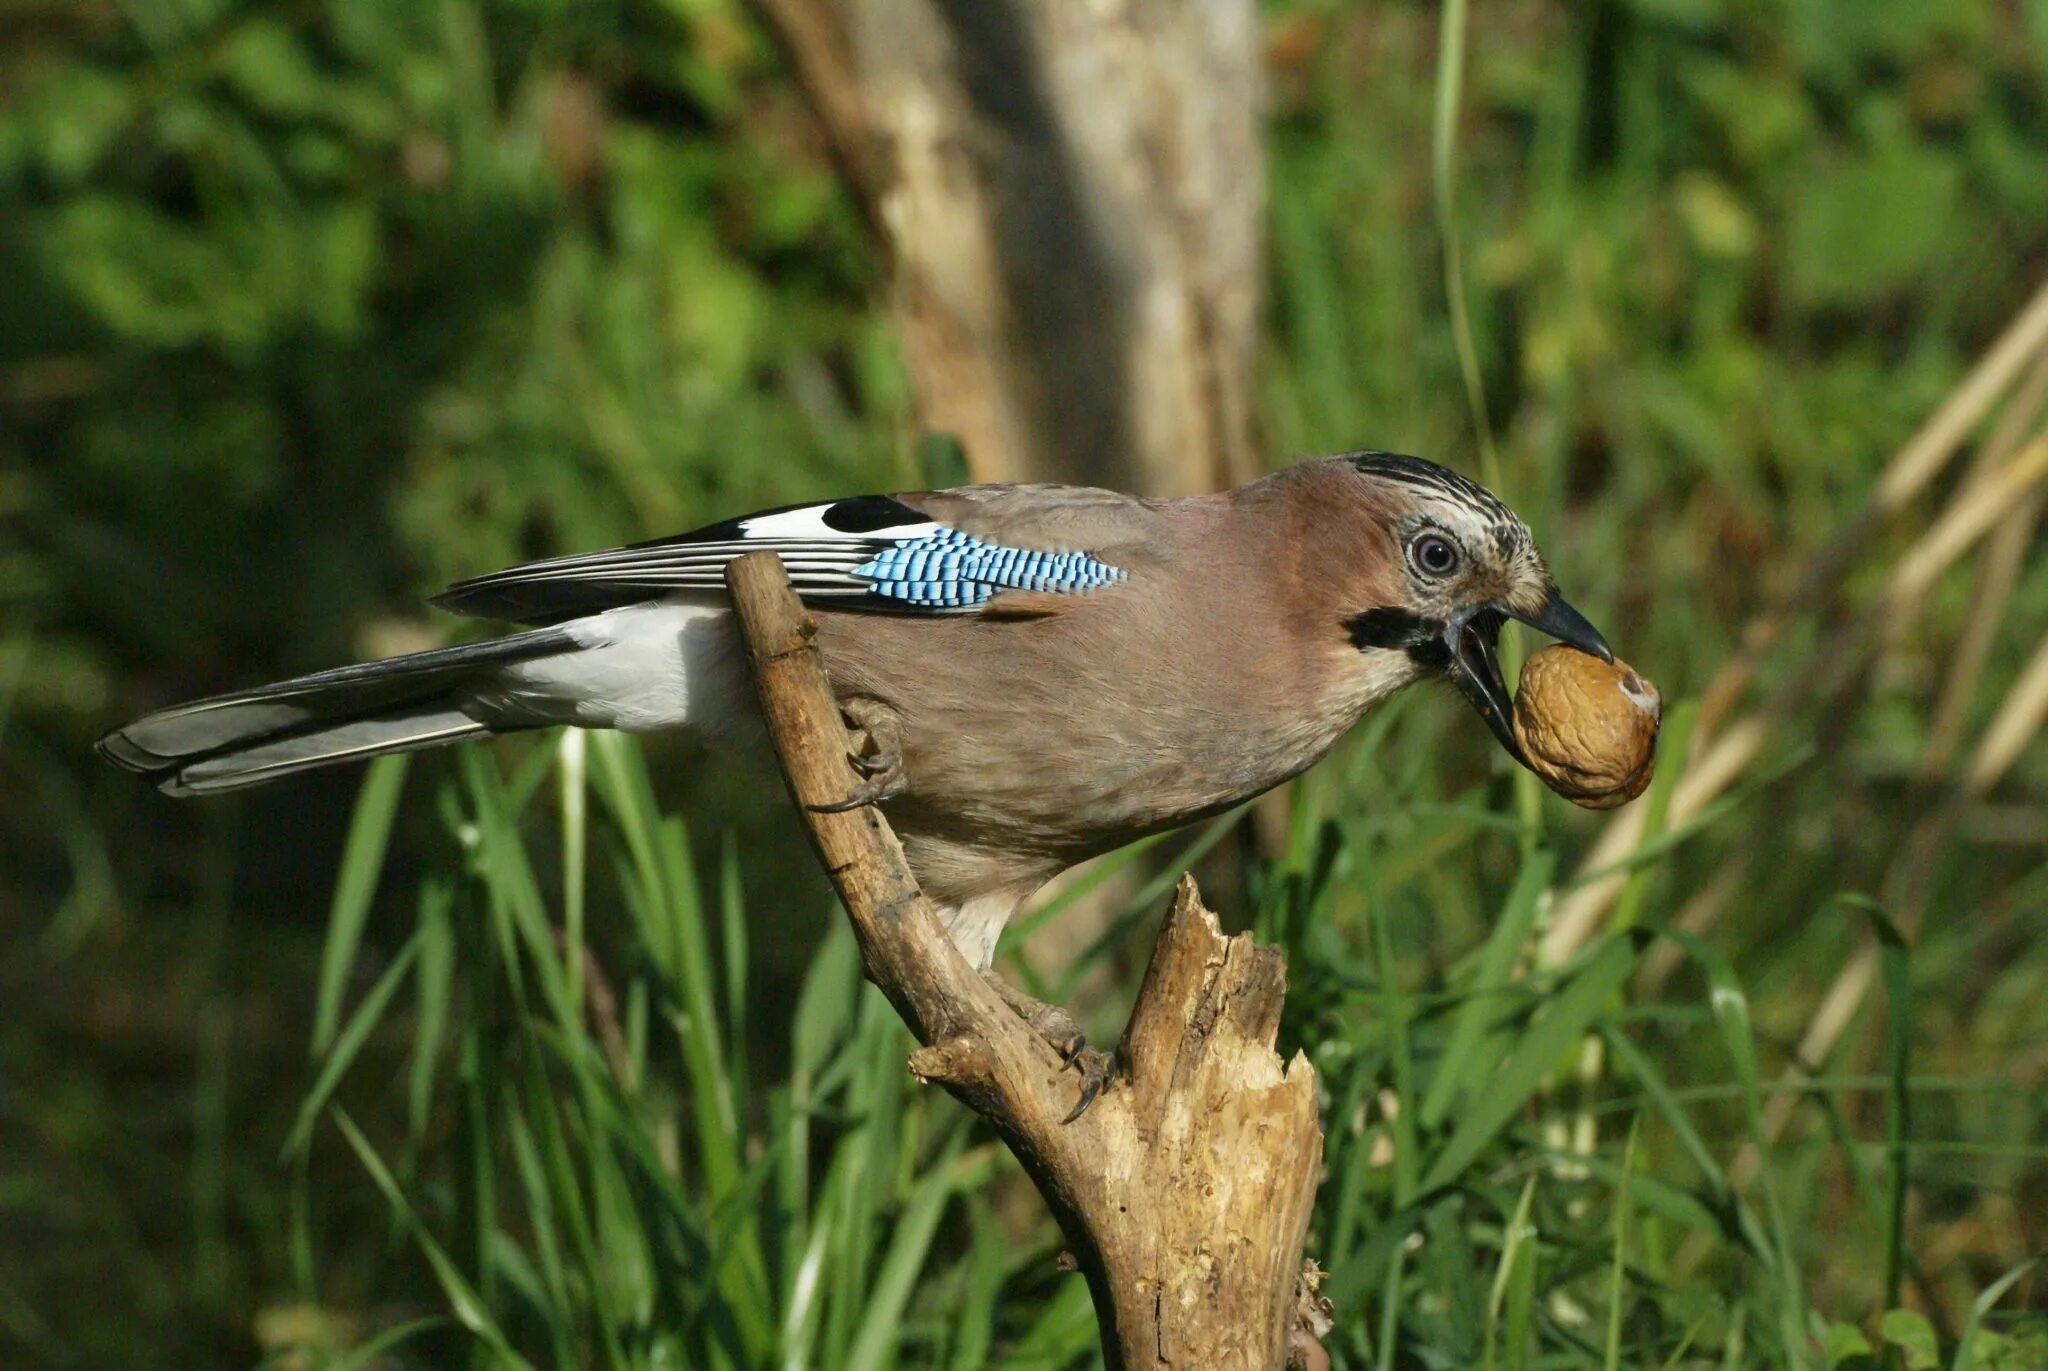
<point>1038,674</point>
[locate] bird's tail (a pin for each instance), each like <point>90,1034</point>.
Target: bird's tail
<point>400,704</point>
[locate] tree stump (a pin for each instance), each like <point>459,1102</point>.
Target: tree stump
<point>1185,1190</point>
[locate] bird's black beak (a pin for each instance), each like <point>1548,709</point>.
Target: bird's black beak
<point>1568,626</point>
<point>1474,665</point>
<point>1474,668</point>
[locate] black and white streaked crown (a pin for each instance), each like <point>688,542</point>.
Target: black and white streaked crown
<point>1414,471</point>
<point>1506,525</point>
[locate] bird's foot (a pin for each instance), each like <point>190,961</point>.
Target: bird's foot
<point>872,791</point>
<point>1096,1068</point>
<point>877,754</point>
<point>1059,1030</point>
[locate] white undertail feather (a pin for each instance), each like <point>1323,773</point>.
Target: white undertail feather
<point>663,665</point>
<point>641,669</point>
<point>976,925</point>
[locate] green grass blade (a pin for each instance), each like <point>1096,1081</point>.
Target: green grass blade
<point>342,1055</point>
<point>373,1351</point>
<point>1653,1196</point>
<point>975,1321</point>
<point>732,909</point>
<point>1460,1071</point>
<point>1517,1248</point>
<point>1450,74</point>
<point>1396,1014</point>
<point>874,1348</point>
<point>1145,902</point>
<point>557,1187</point>
<point>1896,971</point>
<point>1645,1073</point>
<point>551,1297</point>
<point>875,1096</point>
<point>1104,869</point>
<point>1064,1331</point>
<point>695,1018</point>
<point>518,904</point>
<point>1618,1270</point>
<point>1674,746</point>
<point>801,1305</point>
<point>1514,1285</point>
<point>824,1014</point>
<point>433,1001</point>
<point>1966,1346</point>
<point>1561,1021</point>
<point>469,1308</point>
<point>362,862</point>
<point>1390,1308</point>
<point>1730,1007</point>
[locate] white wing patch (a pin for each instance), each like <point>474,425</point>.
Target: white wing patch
<point>808,524</point>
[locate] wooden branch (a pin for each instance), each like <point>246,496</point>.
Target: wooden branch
<point>1185,1190</point>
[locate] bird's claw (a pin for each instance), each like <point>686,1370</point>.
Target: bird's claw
<point>1064,1036</point>
<point>1096,1068</point>
<point>873,791</point>
<point>881,768</point>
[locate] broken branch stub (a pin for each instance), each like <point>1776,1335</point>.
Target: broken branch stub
<point>1185,1190</point>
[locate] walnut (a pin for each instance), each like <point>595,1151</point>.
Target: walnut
<point>1589,728</point>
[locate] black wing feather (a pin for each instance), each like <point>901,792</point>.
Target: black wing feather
<point>820,545</point>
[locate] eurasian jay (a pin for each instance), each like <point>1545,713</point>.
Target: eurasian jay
<point>1043,673</point>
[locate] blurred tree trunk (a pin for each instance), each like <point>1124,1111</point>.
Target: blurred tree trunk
<point>1072,195</point>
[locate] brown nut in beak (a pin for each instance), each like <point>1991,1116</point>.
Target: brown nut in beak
<point>1587,727</point>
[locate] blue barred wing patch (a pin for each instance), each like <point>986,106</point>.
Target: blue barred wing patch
<point>948,569</point>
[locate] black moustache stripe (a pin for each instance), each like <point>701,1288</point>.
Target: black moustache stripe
<point>1388,627</point>
<point>1399,630</point>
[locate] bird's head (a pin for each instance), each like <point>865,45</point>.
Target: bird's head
<point>1454,564</point>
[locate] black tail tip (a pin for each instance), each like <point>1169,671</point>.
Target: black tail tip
<point>122,751</point>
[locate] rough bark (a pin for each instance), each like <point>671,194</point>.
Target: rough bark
<point>1073,199</point>
<point>1184,1191</point>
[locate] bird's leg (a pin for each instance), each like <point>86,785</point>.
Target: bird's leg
<point>1058,1028</point>
<point>877,754</point>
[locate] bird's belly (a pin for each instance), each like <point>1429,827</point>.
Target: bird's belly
<point>1030,746</point>
<point>1073,787</point>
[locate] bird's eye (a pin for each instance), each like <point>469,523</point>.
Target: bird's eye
<point>1434,555</point>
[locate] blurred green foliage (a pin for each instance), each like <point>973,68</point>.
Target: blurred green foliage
<point>386,291</point>
<point>307,308</point>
